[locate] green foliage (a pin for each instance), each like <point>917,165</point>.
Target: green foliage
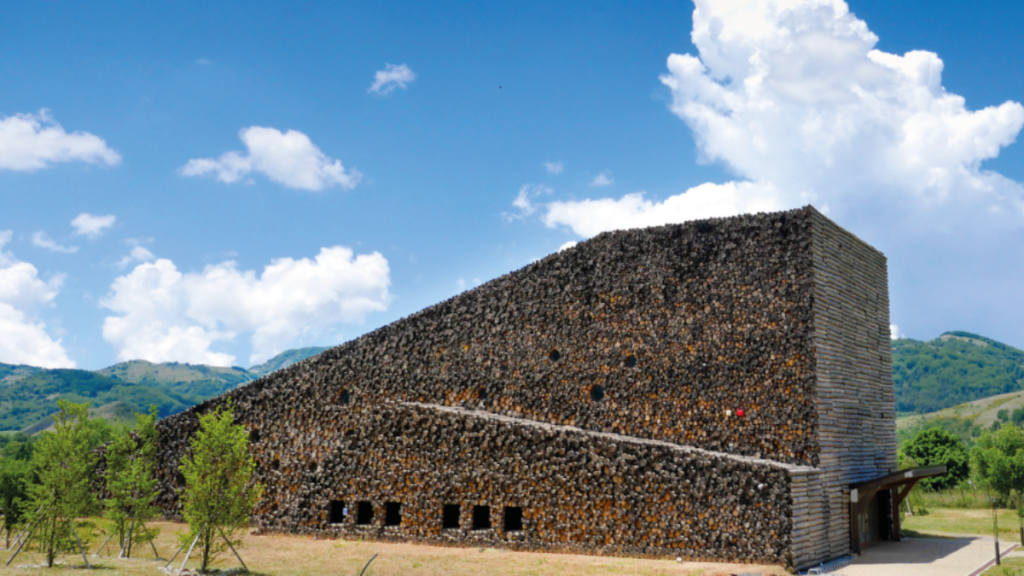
<point>937,447</point>
<point>131,482</point>
<point>1003,415</point>
<point>955,368</point>
<point>997,462</point>
<point>962,428</point>
<point>63,465</point>
<point>16,446</point>
<point>14,479</point>
<point>220,492</point>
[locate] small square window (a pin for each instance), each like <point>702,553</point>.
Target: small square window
<point>481,517</point>
<point>513,518</point>
<point>338,512</point>
<point>450,516</point>
<point>364,513</point>
<point>392,514</point>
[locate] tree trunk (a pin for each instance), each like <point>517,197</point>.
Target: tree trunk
<point>207,542</point>
<point>995,528</point>
<point>50,552</point>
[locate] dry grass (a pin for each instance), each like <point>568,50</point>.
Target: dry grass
<point>299,555</point>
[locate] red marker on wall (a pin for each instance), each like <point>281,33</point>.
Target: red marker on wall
<point>740,413</point>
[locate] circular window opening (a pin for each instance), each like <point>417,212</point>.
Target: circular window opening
<point>481,393</point>
<point>554,356</point>
<point>344,397</point>
<point>313,466</point>
<point>630,361</point>
<point>597,393</point>
<point>254,437</point>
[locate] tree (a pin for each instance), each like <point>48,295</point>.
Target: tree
<point>63,465</point>
<point>131,483</point>
<point>937,447</point>
<point>14,478</point>
<point>998,465</point>
<point>220,492</point>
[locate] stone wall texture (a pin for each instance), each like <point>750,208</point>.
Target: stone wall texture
<point>705,390</point>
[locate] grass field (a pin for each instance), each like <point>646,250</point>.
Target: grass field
<point>299,555</point>
<point>963,521</point>
<point>1011,567</point>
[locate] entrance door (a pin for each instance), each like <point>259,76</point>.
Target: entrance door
<point>868,523</point>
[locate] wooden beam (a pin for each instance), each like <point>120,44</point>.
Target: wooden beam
<point>906,490</point>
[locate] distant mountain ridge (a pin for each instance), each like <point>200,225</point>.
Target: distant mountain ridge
<point>955,368</point>
<point>28,395</point>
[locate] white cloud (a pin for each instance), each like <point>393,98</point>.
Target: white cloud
<point>30,142</point>
<point>42,240</point>
<point>137,254</point>
<point>166,315</point>
<point>591,217</point>
<point>894,332</point>
<point>90,225</point>
<point>567,245</point>
<point>602,179</point>
<point>524,200</point>
<point>553,167</point>
<point>23,339</point>
<point>792,96</point>
<point>391,77</point>
<point>288,158</point>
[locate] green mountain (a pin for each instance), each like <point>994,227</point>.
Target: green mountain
<point>952,369</point>
<point>31,399</point>
<point>28,395</point>
<point>284,360</point>
<point>187,379</point>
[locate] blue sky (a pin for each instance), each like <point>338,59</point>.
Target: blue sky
<point>514,130</point>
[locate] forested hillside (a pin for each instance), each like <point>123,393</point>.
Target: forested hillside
<point>952,369</point>
<point>28,395</point>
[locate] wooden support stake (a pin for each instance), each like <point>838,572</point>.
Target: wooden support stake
<point>224,536</point>
<point>80,547</point>
<point>180,548</point>
<point>190,548</point>
<point>97,553</point>
<point>16,552</point>
<point>155,553</point>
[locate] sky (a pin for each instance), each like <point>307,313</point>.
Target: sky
<point>215,182</point>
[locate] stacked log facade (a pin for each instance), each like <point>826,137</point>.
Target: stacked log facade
<point>718,355</point>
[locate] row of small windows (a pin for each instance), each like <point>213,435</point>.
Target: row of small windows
<point>451,515</point>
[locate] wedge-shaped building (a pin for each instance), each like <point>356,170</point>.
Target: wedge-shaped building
<point>709,390</point>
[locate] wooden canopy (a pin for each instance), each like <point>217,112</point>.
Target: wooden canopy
<point>900,484</point>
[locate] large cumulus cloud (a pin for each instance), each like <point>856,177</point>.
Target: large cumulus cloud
<point>163,314</point>
<point>794,99</point>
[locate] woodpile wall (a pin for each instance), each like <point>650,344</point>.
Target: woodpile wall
<point>701,335</point>
<point>855,396</point>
